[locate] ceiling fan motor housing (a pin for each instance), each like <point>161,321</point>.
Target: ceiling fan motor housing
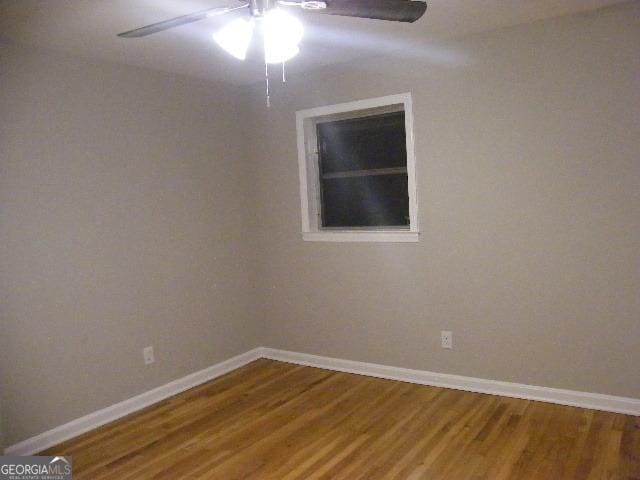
<point>312,5</point>
<point>259,7</point>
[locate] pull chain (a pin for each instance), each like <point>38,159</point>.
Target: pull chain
<point>266,79</point>
<point>265,8</point>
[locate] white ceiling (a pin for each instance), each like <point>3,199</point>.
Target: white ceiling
<point>88,28</point>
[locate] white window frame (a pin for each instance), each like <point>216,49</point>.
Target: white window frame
<point>306,121</point>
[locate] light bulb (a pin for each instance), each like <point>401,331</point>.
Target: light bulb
<point>235,37</point>
<point>282,33</point>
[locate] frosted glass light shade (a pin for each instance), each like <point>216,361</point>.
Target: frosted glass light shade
<point>282,34</point>
<point>235,37</point>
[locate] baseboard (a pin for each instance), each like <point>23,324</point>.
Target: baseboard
<point>93,420</point>
<point>595,401</point>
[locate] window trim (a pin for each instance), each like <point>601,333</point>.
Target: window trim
<point>309,175</point>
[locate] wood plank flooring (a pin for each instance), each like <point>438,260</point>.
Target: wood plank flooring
<point>273,420</point>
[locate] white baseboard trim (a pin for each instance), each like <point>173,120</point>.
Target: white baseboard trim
<point>93,420</point>
<point>595,401</point>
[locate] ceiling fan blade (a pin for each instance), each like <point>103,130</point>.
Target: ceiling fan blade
<point>393,10</point>
<point>177,21</point>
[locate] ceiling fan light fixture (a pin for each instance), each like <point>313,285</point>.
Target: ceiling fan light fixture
<point>282,34</point>
<point>235,37</point>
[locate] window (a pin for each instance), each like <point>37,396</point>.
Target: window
<point>357,175</point>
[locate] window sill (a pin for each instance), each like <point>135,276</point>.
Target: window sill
<point>351,236</point>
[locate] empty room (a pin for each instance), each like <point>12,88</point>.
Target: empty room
<point>340,239</point>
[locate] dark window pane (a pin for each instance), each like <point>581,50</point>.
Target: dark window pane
<point>362,143</point>
<point>366,201</point>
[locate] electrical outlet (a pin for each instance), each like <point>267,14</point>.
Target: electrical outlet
<point>446,337</point>
<point>147,353</point>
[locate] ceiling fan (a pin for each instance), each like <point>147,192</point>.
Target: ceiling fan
<point>282,32</point>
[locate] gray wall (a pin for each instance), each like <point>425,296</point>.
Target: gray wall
<point>527,146</point>
<point>121,226</point>
<point>2,442</point>
<point>140,208</point>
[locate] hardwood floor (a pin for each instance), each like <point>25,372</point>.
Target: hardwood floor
<point>272,420</point>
